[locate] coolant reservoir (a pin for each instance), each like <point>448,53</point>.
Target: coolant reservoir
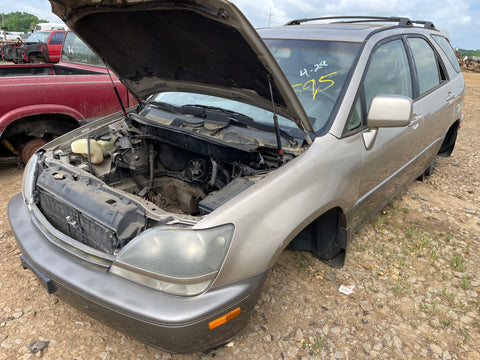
<point>106,145</point>
<point>96,151</point>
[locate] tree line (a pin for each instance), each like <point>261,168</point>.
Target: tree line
<point>469,53</point>
<point>21,21</point>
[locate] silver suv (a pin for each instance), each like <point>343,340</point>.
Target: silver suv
<point>164,221</point>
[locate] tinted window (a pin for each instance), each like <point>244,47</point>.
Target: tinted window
<point>57,38</point>
<point>426,63</point>
<point>447,49</point>
<point>388,72</point>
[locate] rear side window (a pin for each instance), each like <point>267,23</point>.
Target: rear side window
<point>388,72</point>
<point>447,49</point>
<point>75,50</point>
<point>427,65</point>
<point>57,38</point>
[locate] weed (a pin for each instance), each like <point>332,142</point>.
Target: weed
<point>458,263</point>
<point>466,285</point>
<point>449,296</point>
<point>446,322</point>
<point>405,210</point>
<point>411,231</point>
<point>315,347</point>
<point>303,261</point>
<point>401,288</point>
<point>433,308</point>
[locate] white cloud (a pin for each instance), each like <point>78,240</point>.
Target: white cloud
<point>459,18</point>
<point>448,15</point>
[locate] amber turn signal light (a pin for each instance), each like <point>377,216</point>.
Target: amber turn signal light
<point>223,319</point>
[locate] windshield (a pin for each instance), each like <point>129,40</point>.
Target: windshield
<point>75,50</point>
<point>316,70</point>
<point>257,114</point>
<point>38,37</point>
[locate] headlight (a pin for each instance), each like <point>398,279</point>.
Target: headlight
<point>177,261</point>
<point>28,179</point>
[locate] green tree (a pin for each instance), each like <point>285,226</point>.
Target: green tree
<point>21,21</point>
<point>469,53</point>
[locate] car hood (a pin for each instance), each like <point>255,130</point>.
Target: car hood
<point>202,46</point>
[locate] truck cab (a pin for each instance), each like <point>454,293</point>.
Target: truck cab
<point>43,46</point>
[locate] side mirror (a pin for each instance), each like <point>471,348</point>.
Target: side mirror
<point>390,111</point>
<point>387,111</point>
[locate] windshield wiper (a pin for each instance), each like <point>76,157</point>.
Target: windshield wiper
<point>165,106</point>
<point>245,121</point>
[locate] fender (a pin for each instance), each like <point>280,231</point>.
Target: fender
<point>39,109</point>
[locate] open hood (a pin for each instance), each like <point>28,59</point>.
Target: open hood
<point>203,46</point>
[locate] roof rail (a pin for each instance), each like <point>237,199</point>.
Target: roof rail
<point>402,21</point>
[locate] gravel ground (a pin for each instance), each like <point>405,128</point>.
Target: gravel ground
<point>415,268</point>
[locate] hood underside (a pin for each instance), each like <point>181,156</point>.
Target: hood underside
<point>196,46</point>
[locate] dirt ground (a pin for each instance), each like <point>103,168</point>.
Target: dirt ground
<point>415,268</point>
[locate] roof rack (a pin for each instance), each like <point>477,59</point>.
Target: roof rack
<point>402,21</point>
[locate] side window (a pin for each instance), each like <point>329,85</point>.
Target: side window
<point>428,69</point>
<point>388,72</point>
<point>57,38</point>
<point>355,119</point>
<point>447,49</point>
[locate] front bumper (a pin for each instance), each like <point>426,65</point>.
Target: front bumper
<point>171,323</point>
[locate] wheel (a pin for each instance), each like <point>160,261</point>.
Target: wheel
<point>30,148</point>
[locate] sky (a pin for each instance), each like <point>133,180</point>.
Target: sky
<point>459,19</point>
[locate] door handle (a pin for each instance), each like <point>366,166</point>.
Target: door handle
<point>415,120</point>
<point>450,97</point>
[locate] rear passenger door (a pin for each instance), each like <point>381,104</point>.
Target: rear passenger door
<point>434,96</point>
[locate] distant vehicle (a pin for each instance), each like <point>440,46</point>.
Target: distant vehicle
<point>39,47</point>
<point>42,101</point>
<point>10,36</point>
<point>50,27</point>
<point>44,46</point>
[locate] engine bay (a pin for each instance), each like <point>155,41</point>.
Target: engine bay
<point>134,173</point>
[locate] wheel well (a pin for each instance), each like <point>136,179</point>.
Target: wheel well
<point>449,141</point>
<point>46,127</point>
<point>36,55</point>
<point>326,237</point>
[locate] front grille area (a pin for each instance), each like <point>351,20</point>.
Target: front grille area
<point>77,225</point>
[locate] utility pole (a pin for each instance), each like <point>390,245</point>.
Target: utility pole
<point>269,18</point>
<point>4,28</point>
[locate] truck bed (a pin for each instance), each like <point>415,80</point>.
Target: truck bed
<point>45,69</point>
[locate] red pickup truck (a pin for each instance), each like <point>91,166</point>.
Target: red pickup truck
<point>39,47</point>
<point>39,102</point>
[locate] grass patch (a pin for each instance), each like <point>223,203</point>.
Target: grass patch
<point>458,262</point>
<point>315,347</point>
